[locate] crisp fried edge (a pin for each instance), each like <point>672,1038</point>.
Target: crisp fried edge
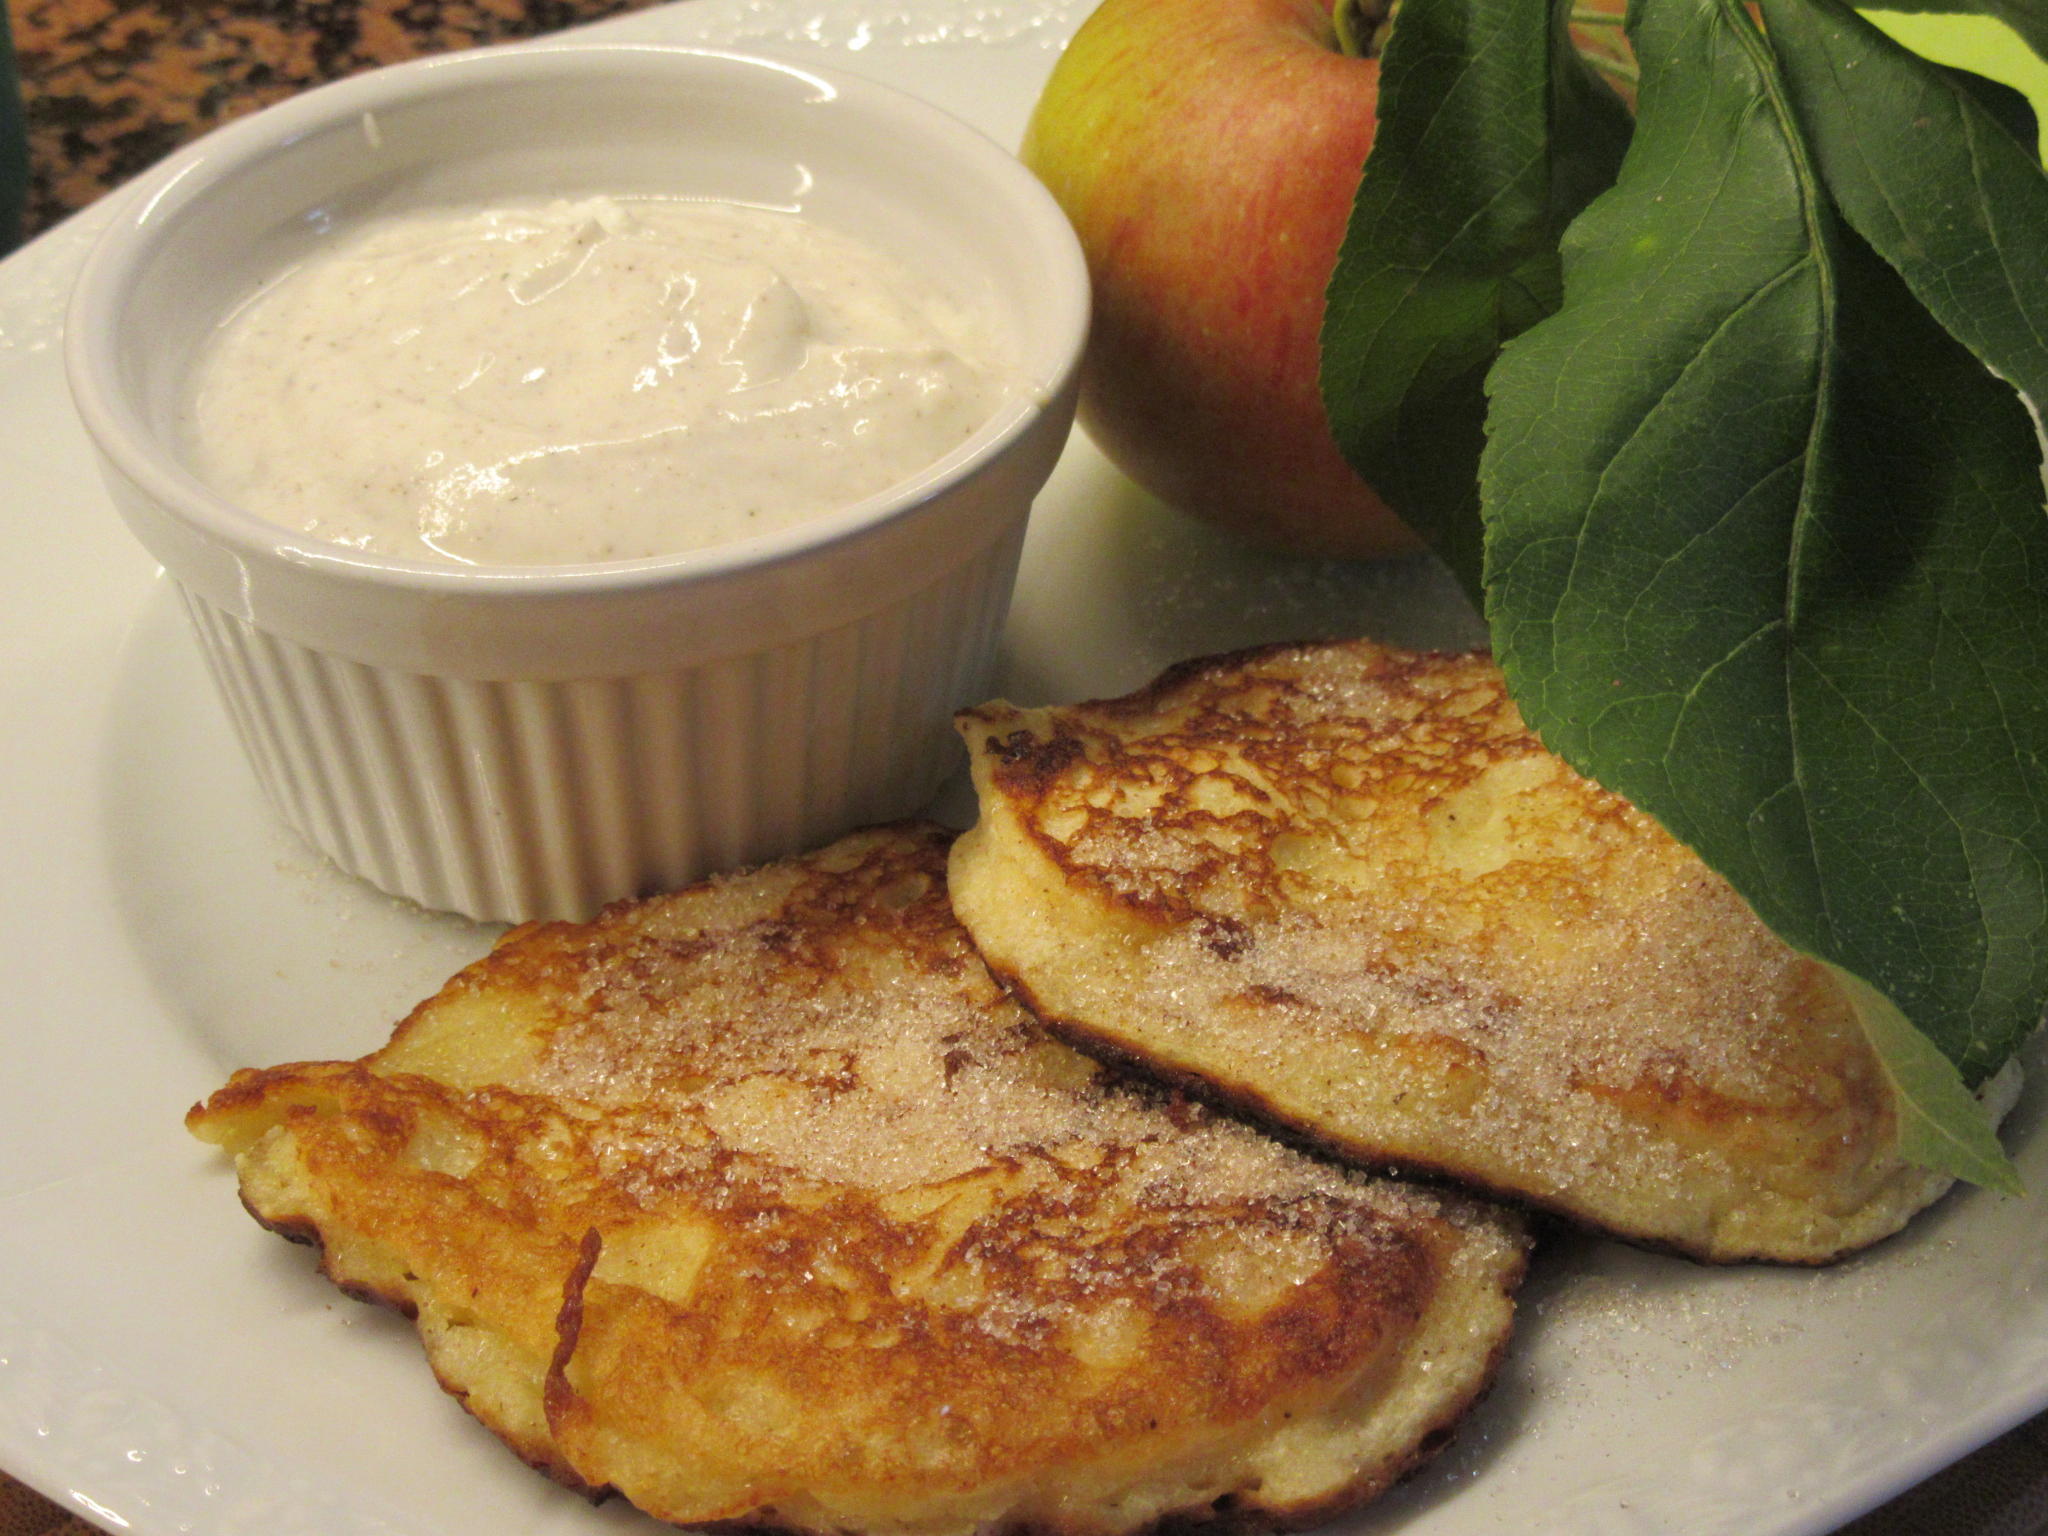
<point>989,731</point>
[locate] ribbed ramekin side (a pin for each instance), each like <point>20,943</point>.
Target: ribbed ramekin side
<point>525,799</point>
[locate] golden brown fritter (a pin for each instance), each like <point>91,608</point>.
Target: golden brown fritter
<point>1344,888</point>
<point>762,1203</point>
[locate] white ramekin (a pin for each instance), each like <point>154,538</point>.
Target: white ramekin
<point>514,742</point>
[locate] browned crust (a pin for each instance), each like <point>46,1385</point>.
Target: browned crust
<point>1029,767</point>
<point>535,1454</point>
<point>1232,1513</point>
<point>1248,1104</point>
<point>1433,1442</point>
<point>1446,720</point>
<point>1237,1512</point>
<point>615,1341</point>
<point>1195,668</point>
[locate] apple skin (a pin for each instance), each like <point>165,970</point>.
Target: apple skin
<point>1207,153</point>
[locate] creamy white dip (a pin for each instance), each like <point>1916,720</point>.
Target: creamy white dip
<point>599,380</point>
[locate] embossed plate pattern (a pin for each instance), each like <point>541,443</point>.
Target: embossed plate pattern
<point>166,1367</point>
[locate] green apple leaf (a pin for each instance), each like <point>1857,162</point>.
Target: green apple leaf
<point>1941,1124</point>
<point>2029,18</point>
<point>1766,554</point>
<point>1930,177</point>
<point>2008,108</point>
<point>1492,135</point>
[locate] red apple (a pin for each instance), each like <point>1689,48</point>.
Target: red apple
<point>1207,152</point>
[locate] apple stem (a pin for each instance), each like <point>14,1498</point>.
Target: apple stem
<point>1362,25</point>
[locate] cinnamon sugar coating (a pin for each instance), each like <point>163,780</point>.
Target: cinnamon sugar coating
<point>1344,888</point>
<point>761,1203</point>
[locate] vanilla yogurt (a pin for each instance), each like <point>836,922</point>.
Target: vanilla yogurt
<point>583,381</point>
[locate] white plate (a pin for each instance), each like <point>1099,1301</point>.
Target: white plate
<point>165,1366</point>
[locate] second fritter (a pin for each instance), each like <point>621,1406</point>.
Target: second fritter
<point>1345,888</point>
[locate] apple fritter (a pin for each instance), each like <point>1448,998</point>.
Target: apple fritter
<point>1345,889</point>
<point>761,1203</point>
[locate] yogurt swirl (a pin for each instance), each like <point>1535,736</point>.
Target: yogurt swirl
<point>584,381</point>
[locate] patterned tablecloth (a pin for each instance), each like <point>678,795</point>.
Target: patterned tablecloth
<point>110,86</point>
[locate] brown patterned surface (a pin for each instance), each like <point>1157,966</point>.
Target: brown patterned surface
<point>111,86</point>
<point>22,1513</point>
